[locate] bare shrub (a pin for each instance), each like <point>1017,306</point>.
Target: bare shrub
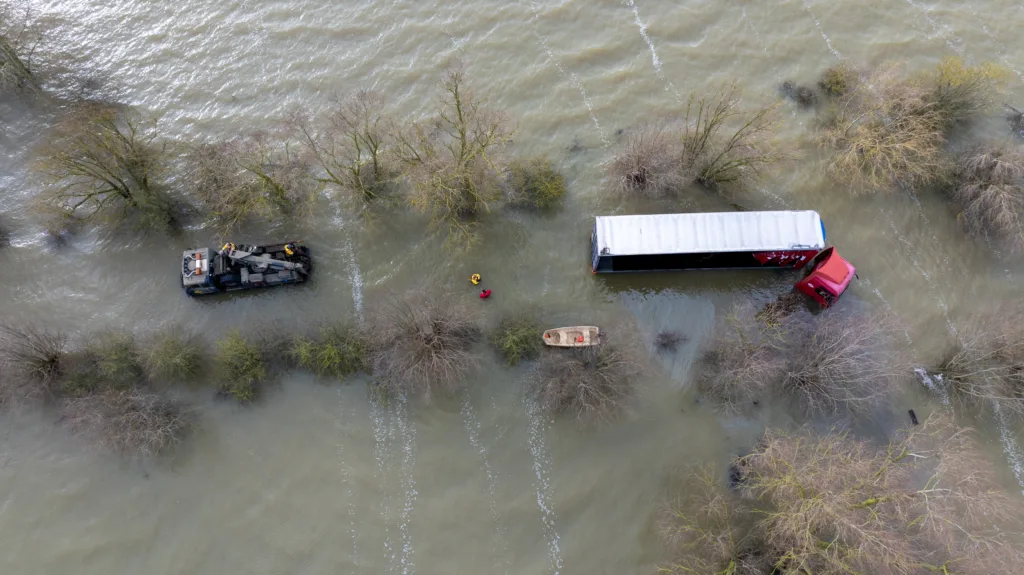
<point>259,176</point>
<point>990,192</point>
<point>33,360</point>
<point>842,361</point>
<point>826,362</point>
<point>926,502</point>
<point>743,360</point>
<point>173,355</point>
<point>454,160</point>
<point>534,183</point>
<point>717,143</point>
<point>103,160</point>
<point>350,144</point>
<point>422,343</point>
<point>886,132</point>
<point>649,165</point>
<point>129,422</point>
<point>747,147</point>
<point>986,361</point>
<point>589,383</point>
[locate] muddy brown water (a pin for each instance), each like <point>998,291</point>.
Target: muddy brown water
<point>316,479</point>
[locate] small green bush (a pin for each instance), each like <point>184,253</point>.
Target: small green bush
<point>340,352</point>
<point>517,338</point>
<point>173,356</point>
<point>242,367</point>
<point>534,183</point>
<point>116,360</point>
<point>963,92</point>
<point>837,80</point>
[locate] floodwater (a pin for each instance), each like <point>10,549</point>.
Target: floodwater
<point>316,479</point>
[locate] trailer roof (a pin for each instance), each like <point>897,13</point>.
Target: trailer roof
<point>709,232</point>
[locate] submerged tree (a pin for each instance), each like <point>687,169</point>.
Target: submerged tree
<point>255,177</point>
<point>105,161</point>
<point>985,362</point>
<point>19,39</point>
<point>453,161</point>
<point>422,344</point>
<point>350,144</point>
<point>717,143</point>
<point>928,502</point>
<point>989,189</point>
<point>827,363</point>
<point>891,131</point>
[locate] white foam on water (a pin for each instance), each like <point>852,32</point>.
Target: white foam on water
<point>643,32</point>
<point>407,435</point>
<point>936,387</point>
<point>355,275</point>
<point>541,462</point>
<point>383,439</point>
<point>347,414</point>
<point>472,425</point>
<point>824,36</point>
<point>955,44</point>
<point>566,74</point>
<point>1010,446</point>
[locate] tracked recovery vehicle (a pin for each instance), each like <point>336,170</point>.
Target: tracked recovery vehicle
<point>205,271</point>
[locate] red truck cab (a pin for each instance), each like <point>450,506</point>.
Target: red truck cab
<point>829,277</point>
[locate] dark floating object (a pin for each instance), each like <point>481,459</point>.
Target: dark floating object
<point>735,476</point>
<point>802,95</point>
<point>1015,118</point>
<point>913,416</point>
<point>669,340</point>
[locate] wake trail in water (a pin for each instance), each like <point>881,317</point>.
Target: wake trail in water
<point>472,425</point>
<point>541,463</point>
<point>566,74</point>
<point>407,434</point>
<point>824,36</point>
<point>346,415</point>
<point>383,439</point>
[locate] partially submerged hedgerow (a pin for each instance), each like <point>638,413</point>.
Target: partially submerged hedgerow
<point>241,367</point>
<point>338,351</point>
<point>174,355</point>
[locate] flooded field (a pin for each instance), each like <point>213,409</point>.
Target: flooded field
<point>316,478</point>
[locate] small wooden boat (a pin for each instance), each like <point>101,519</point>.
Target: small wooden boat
<point>578,336</point>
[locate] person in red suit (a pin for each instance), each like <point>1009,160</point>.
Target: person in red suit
<point>485,294</point>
